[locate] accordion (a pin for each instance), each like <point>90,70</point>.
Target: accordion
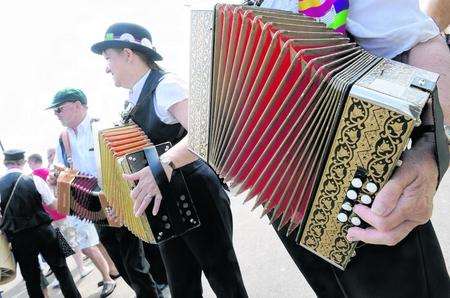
<point>298,118</point>
<point>126,149</point>
<point>79,195</point>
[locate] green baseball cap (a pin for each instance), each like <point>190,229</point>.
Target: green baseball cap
<point>68,95</point>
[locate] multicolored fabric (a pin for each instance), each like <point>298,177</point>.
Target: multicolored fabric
<point>332,12</point>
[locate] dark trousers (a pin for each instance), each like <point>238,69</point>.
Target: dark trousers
<point>27,245</point>
<point>157,269</point>
<point>413,268</point>
<point>127,253</point>
<point>207,248</point>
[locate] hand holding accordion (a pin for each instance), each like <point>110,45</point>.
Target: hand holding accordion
<point>126,150</point>
<point>299,118</point>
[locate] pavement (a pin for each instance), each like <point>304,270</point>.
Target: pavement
<point>267,270</point>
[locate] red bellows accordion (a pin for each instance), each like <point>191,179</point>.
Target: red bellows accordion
<point>299,118</point>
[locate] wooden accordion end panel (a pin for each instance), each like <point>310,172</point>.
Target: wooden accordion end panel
<point>299,119</point>
<point>80,195</point>
<point>115,143</point>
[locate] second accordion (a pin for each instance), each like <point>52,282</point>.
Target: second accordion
<point>126,149</point>
<point>300,119</point>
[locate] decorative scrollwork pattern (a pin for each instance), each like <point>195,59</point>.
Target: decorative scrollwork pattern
<point>370,137</point>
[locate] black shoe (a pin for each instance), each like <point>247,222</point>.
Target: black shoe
<point>108,288</point>
<point>114,277</point>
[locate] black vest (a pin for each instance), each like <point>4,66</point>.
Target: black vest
<point>25,210</point>
<point>145,116</point>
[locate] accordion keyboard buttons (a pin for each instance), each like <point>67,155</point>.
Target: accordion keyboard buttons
<point>355,220</point>
<point>366,199</point>
<point>347,206</point>
<point>354,190</point>
<point>342,217</point>
<point>371,187</point>
<point>164,218</point>
<point>352,195</point>
<point>357,183</point>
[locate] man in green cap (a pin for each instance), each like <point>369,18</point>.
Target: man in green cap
<point>28,228</point>
<point>76,150</point>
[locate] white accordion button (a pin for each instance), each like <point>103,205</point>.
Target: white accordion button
<point>347,206</point>
<point>356,221</point>
<point>351,194</point>
<point>371,187</point>
<point>365,199</point>
<point>342,217</point>
<point>356,183</point>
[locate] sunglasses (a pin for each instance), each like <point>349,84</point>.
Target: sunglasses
<point>59,109</point>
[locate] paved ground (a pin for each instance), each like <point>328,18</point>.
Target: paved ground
<point>267,270</point>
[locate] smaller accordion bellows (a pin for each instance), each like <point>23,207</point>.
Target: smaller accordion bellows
<point>115,143</point>
<point>80,195</point>
<point>299,118</point>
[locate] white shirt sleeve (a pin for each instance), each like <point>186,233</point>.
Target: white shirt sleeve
<point>407,27</point>
<point>170,90</point>
<point>44,190</point>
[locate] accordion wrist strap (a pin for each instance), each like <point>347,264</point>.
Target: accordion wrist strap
<point>157,169</point>
<point>441,149</point>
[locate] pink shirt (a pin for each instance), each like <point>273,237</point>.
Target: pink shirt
<point>55,215</point>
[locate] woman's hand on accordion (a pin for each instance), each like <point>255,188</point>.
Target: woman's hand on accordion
<point>146,190</point>
<point>405,202</point>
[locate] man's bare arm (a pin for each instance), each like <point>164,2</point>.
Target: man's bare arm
<point>439,10</point>
<point>406,201</point>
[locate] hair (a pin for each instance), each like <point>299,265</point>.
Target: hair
<point>37,158</point>
<point>149,62</point>
<point>19,162</point>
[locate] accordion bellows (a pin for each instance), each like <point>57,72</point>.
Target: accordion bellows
<point>114,144</point>
<point>303,121</point>
<point>80,195</point>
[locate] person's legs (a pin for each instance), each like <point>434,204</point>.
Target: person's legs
<point>99,261</point>
<point>52,253</point>
<point>44,284</point>
<point>317,272</point>
<point>108,236</point>
<point>25,250</point>
<point>183,271</point>
<point>78,258</point>
<point>157,269</point>
<point>208,247</point>
<point>112,267</point>
<point>413,268</point>
<point>136,265</point>
<point>88,239</point>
